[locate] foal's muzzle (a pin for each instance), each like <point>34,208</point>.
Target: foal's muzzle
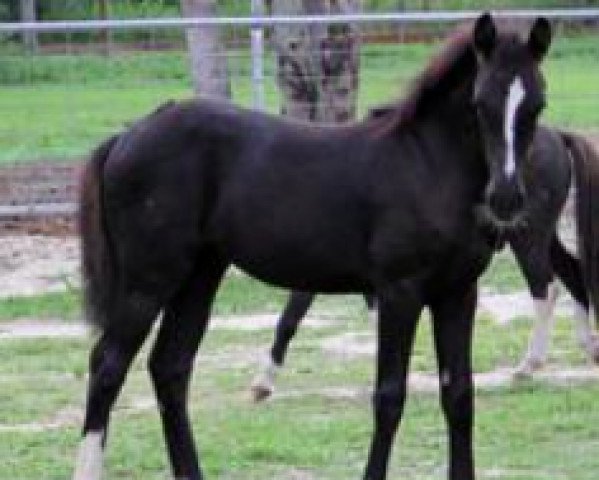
<point>505,199</point>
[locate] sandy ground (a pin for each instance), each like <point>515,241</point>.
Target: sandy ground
<point>34,264</point>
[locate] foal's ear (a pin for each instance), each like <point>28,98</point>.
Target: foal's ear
<point>485,35</point>
<point>540,38</point>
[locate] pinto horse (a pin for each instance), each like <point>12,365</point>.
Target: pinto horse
<point>387,206</point>
<point>542,257</point>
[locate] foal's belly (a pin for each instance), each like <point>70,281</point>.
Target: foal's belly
<point>302,254</point>
<point>297,266</point>
<point>314,280</point>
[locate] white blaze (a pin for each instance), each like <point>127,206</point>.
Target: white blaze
<point>514,98</point>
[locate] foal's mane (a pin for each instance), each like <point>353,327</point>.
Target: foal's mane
<point>455,63</point>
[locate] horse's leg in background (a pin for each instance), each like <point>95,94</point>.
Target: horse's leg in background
<point>171,362</point>
<point>371,305</point>
<point>453,319</point>
<point>533,258</point>
<point>569,271</point>
<point>109,362</point>
<point>296,309</point>
<point>399,311</point>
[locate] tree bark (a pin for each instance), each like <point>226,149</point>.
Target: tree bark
<point>206,52</point>
<point>30,40</point>
<point>317,65</point>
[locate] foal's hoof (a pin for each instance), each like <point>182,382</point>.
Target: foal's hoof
<point>261,392</point>
<point>528,366</point>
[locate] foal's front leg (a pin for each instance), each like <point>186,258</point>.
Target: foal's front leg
<point>399,311</point>
<point>453,318</point>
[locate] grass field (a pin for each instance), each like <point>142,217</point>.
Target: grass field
<point>60,106</point>
<point>319,424</point>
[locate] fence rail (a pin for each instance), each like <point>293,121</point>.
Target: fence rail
<point>269,21</point>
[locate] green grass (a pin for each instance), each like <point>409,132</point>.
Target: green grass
<point>503,274</point>
<point>60,106</point>
<point>543,431</point>
<point>50,305</point>
<point>529,430</point>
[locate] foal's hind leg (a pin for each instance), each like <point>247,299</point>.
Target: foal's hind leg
<point>568,269</point>
<point>296,309</point>
<point>109,362</point>
<point>171,363</point>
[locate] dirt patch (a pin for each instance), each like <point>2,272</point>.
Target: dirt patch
<point>524,474</point>
<point>31,265</point>
<point>504,307</point>
<point>39,197</point>
<point>263,321</point>
<point>296,474</point>
<point>55,328</point>
<point>429,383</point>
<point>350,344</point>
<point>73,416</point>
<point>48,329</point>
<point>65,417</point>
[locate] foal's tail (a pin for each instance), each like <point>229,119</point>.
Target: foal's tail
<point>586,168</point>
<point>97,265</point>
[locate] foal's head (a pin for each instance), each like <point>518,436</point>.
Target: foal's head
<point>509,94</point>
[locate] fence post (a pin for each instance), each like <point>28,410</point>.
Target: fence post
<point>257,47</point>
<point>28,14</point>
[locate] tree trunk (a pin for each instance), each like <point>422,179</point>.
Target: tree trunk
<point>317,64</point>
<point>28,15</point>
<point>206,52</point>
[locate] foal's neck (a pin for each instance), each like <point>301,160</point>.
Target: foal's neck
<point>457,115</point>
